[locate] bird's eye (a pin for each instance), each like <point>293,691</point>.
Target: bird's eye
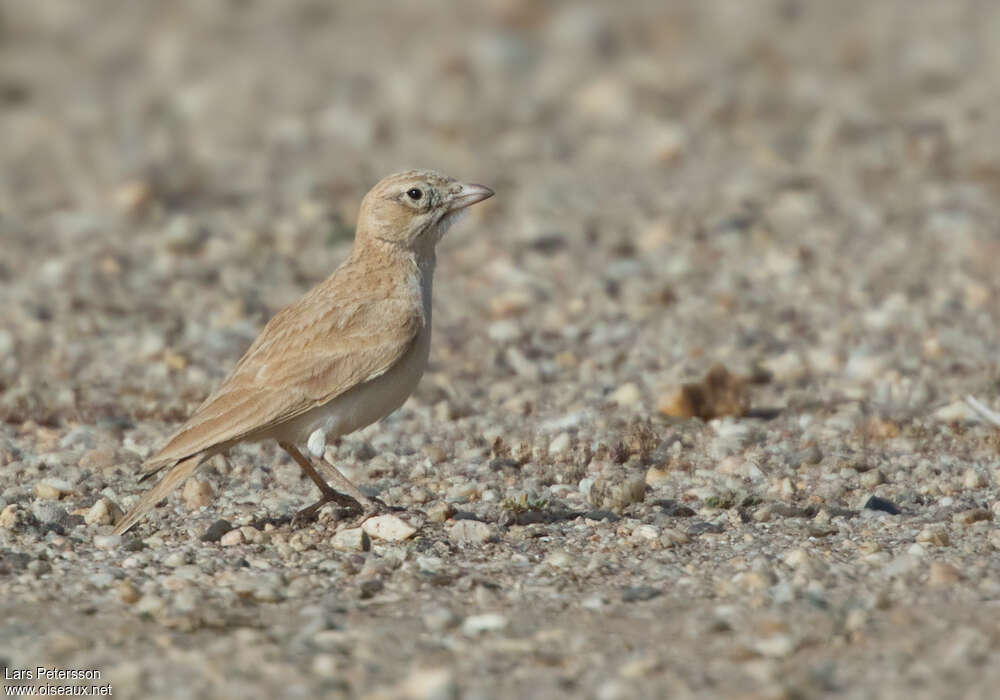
<point>414,193</point>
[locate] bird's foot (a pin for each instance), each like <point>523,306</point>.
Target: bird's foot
<point>372,508</point>
<point>308,514</point>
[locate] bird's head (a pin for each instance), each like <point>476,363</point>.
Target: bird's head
<point>414,209</point>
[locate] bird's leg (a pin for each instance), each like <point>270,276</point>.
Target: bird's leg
<point>344,484</point>
<point>330,495</point>
<point>317,449</point>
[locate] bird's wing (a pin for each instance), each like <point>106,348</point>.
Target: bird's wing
<point>307,355</point>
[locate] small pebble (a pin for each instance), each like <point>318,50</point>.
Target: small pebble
<point>616,492</point>
<point>103,512</point>
<point>429,684</point>
<point>216,530</point>
<point>52,489</point>
<point>107,541</point>
<point>797,559</point>
<point>485,622</point>
<point>11,517</point>
<point>626,396</point>
<point>439,619</point>
<point>462,492</point>
<point>657,477</point>
<point>232,538</point>
<point>469,532</point>
<point>559,444</point>
<point>871,479</point>
<point>634,594</point>
<point>776,646</point>
<point>98,459</point>
<point>972,479</point>
<point>266,593</point>
<point>371,588</point>
<point>127,593</point>
<point>646,533</point>
<point>389,527</point>
<point>325,666</point>
<point>561,559</point>
<point>671,537</point>
<point>882,504</point>
<point>439,511</point>
<point>48,512</point>
<point>150,604</point>
<point>941,575</point>
<point>935,535</point>
<point>175,559</point>
<point>197,493</point>
<point>352,539</point>
<point>970,517</point>
<point>252,534</point>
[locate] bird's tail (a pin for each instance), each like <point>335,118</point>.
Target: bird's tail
<point>177,473</point>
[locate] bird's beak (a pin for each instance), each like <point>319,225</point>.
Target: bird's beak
<point>469,195</point>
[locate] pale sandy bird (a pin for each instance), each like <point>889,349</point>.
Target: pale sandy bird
<point>345,355</point>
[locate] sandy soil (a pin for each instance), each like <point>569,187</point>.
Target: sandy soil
<point>805,193</point>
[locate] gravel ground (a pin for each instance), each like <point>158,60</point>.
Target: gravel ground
<point>803,193</point>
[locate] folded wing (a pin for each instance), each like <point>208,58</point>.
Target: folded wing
<point>306,356</point>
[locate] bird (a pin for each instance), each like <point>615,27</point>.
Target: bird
<point>348,353</point>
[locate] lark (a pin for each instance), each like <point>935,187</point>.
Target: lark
<point>348,353</point>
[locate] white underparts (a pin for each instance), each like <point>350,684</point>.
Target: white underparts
<point>450,219</point>
<point>317,442</point>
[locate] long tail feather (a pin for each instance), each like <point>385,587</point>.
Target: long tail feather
<point>173,478</point>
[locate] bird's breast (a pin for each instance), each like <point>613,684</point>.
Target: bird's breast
<point>367,402</point>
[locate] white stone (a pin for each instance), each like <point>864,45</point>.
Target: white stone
<point>10,516</point>
<point>797,558</point>
<point>560,443</point>
<point>787,367</point>
<point>956,412</point>
<point>389,527</point>
<point>197,493</point>
<point>232,538</point>
<point>175,559</point>
<point>778,646</point>
<point>560,559</point>
<point>52,489</point>
<point>646,532</point>
<point>439,619</point>
<point>626,395</point>
<point>429,684</point>
<point>485,622</point>
<point>352,539</point>
<point>107,541</point>
<point>972,479</point>
<point>504,331</point>
<point>469,531</point>
<point>150,605</point>
<point>103,512</point>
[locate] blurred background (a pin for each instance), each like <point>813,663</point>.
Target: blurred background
<point>638,148</point>
<point>199,164</point>
<point>803,192</point>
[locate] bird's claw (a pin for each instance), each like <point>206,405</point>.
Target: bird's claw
<point>308,514</point>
